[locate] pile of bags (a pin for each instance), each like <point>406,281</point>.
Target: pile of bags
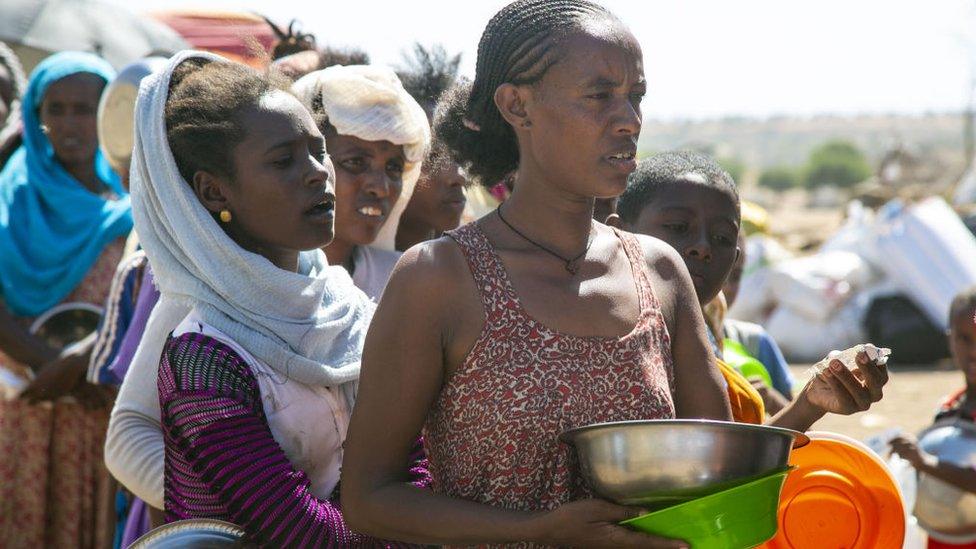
<point>887,277</point>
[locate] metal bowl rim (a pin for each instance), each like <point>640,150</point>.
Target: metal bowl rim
<point>948,422</point>
<point>799,439</point>
<point>210,526</point>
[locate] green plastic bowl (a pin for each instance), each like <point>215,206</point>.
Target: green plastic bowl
<point>739,517</point>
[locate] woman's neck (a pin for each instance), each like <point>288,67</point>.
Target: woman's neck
<point>339,252</point>
<point>286,260</point>
<point>412,232</point>
<point>550,215</point>
<point>85,173</point>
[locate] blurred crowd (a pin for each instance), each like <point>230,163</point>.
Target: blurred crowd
<point>228,292</point>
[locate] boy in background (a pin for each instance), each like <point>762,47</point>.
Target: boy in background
<point>959,405</point>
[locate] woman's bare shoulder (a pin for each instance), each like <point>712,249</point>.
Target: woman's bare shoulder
<point>669,276</point>
<point>663,260</point>
<point>431,275</point>
<point>431,263</point>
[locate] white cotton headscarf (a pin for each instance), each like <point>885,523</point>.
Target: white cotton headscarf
<point>369,102</point>
<point>309,326</point>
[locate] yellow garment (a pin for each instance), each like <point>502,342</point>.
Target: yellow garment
<point>714,313</point>
<point>755,219</point>
<point>747,405</point>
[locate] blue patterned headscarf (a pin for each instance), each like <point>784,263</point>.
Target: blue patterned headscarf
<point>52,229</point>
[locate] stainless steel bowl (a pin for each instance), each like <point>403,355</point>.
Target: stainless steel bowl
<point>66,323</point>
<point>945,511</point>
<point>192,534</point>
<point>659,462</point>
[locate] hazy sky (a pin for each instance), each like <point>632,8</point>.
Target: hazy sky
<point>706,58</point>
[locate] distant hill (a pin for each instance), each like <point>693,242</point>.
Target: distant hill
<point>761,143</point>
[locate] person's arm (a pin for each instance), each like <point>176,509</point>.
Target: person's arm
<point>402,374</point>
<point>65,375</point>
<point>961,477</point>
<point>836,390</point>
<point>773,400</point>
<point>134,446</point>
<point>699,391</point>
<point>19,344</point>
<point>115,320</point>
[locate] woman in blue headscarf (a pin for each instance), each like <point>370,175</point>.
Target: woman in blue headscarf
<point>64,216</point>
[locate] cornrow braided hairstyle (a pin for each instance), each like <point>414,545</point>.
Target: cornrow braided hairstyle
<point>517,48</point>
<point>290,41</point>
<point>203,110</point>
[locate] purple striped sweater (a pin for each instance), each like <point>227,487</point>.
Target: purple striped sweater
<point>222,461</point>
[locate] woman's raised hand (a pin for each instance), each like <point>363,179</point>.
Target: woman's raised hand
<point>844,391</point>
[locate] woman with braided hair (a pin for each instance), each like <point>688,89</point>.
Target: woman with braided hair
<point>495,338</point>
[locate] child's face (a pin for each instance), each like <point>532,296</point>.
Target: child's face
<point>702,224</point>
<point>962,343</point>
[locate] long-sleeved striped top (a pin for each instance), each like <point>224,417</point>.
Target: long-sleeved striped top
<point>223,462</point>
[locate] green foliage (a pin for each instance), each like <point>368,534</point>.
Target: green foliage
<point>779,178</point>
<point>837,163</point>
<point>734,166</point>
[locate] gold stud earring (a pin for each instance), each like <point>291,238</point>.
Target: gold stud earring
<point>225,216</point>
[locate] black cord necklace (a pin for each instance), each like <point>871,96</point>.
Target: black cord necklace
<point>572,265</point>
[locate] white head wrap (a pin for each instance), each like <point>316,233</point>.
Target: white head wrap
<point>369,102</point>
<point>310,325</point>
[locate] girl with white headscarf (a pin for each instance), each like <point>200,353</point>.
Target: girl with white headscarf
<point>367,109</point>
<point>377,136</point>
<point>230,184</point>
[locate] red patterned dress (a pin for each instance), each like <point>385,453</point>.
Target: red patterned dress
<point>492,434</point>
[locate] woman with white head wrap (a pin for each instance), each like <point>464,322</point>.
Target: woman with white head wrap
<point>377,136</point>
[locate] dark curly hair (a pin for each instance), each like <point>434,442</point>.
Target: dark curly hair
<point>964,302</point>
<point>290,41</point>
<point>517,47</point>
<point>203,110</point>
<point>427,73</point>
<point>663,169</point>
<point>330,56</point>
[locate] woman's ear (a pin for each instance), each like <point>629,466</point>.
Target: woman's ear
<point>210,191</point>
<point>510,100</point>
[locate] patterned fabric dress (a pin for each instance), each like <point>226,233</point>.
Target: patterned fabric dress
<point>492,434</point>
<point>54,488</point>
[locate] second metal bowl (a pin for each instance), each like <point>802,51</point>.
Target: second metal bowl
<point>942,509</point>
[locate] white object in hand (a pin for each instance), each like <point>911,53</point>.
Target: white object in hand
<point>848,357</point>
